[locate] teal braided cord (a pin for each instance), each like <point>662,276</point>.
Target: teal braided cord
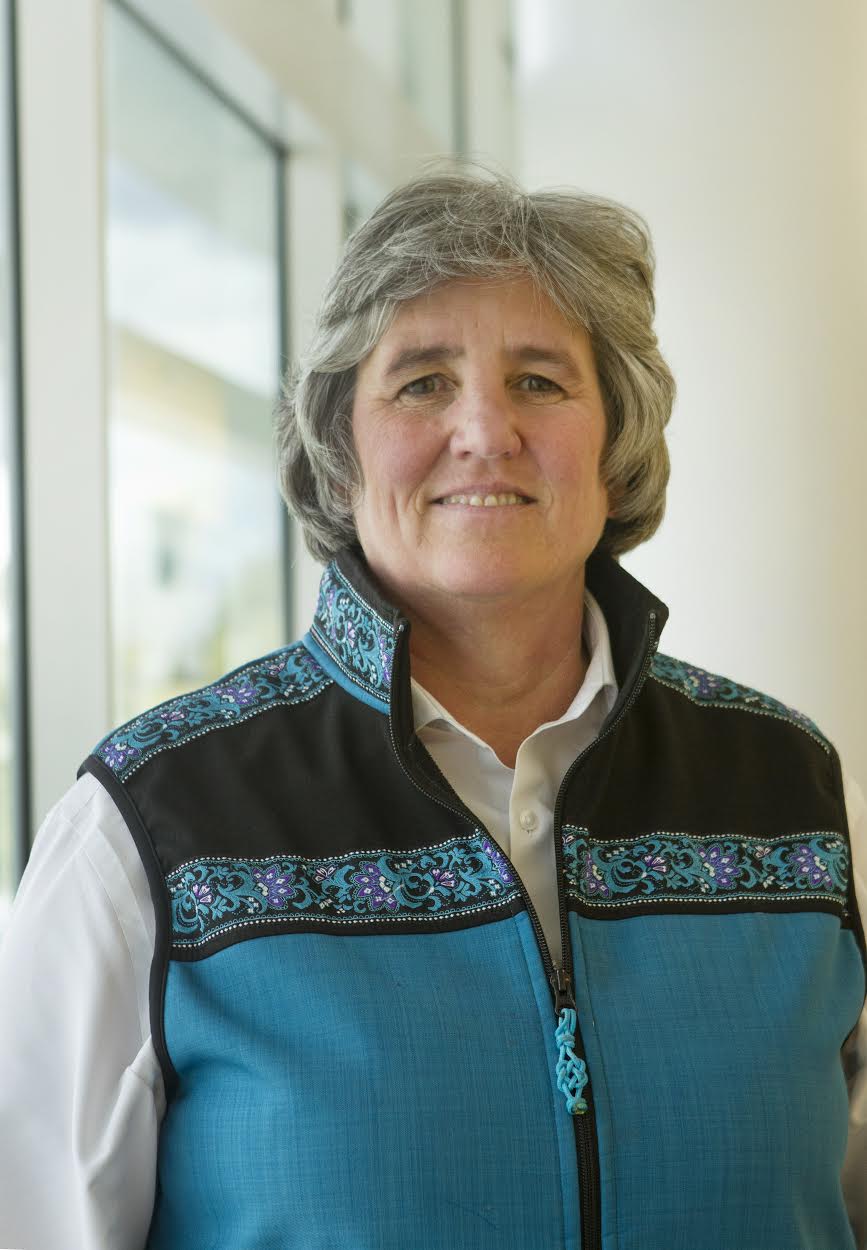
<point>571,1071</point>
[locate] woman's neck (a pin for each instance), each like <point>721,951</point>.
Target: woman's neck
<point>501,671</point>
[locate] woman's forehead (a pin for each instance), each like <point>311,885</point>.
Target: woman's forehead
<point>518,294</point>
<point>515,310</point>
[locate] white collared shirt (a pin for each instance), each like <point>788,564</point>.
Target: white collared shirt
<point>516,805</point>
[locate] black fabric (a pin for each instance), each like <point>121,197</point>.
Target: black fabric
<point>314,779</point>
<point>672,765</point>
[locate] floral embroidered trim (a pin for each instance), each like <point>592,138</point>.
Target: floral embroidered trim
<point>210,896</point>
<point>679,867</point>
<point>704,687</point>
<point>356,637</point>
<point>290,675</point>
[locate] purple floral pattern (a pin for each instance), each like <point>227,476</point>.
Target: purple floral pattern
<point>809,865</point>
<point>242,693</point>
<point>211,896</point>
<point>678,867</point>
<point>496,858</point>
<point>721,692</point>
<point>119,753</point>
<point>291,675</point>
<point>372,887</point>
<point>720,863</point>
<point>277,887</point>
<point>202,894</point>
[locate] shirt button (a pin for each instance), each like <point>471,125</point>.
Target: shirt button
<point>528,820</point>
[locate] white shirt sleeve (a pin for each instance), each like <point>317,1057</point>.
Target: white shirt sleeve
<point>81,1091</point>
<point>855,1051</point>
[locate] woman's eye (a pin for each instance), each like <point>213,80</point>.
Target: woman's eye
<point>534,383</point>
<point>547,384</point>
<point>420,386</point>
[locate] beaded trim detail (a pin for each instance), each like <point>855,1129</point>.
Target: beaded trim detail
<point>288,676</point>
<point>685,868</point>
<point>359,641</point>
<point>211,896</point>
<point>709,689</point>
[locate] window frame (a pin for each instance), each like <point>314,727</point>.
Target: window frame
<point>18,675</point>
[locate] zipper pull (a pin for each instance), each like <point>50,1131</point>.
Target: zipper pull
<point>562,985</point>
<point>571,1071</point>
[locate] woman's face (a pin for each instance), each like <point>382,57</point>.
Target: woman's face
<point>479,426</point>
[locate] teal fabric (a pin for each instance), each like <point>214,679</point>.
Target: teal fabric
<point>713,1046</point>
<point>372,1092</point>
<point>388,1091</point>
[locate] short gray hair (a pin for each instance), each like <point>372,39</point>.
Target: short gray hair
<point>591,256</point>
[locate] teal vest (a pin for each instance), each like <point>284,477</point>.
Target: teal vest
<point>364,1040</point>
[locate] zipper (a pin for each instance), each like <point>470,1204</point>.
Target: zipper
<point>586,1137</point>
<point>568,1033</point>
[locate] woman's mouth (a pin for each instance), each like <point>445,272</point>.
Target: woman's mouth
<point>507,499</point>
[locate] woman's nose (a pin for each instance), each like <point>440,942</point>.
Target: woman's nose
<point>484,426</point>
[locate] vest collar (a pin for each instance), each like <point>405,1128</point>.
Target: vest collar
<point>362,640</point>
<point>355,630</point>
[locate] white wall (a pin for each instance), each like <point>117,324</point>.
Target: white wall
<point>738,130</point>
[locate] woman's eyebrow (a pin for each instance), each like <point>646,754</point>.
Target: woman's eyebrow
<point>412,357</point>
<point>530,354</point>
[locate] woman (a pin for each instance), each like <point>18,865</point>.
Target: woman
<point>470,920</point>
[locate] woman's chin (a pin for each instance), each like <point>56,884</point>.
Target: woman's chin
<point>481,581</point>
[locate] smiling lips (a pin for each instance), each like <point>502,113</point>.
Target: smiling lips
<point>495,494</point>
<point>490,499</point>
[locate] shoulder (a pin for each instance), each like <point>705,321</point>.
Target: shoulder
<point>290,675</point>
<point>713,692</point>
<point>83,830</point>
<point>85,888</point>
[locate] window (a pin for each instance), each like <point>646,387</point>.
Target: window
<point>193,284</point>
<point>413,44</point>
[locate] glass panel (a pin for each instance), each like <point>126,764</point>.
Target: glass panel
<point>412,44</point>
<point>428,65</point>
<point>377,26</point>
<point>192,270</point>
<point>7,834</point>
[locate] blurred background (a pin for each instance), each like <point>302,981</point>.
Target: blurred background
<point>176,181</point>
